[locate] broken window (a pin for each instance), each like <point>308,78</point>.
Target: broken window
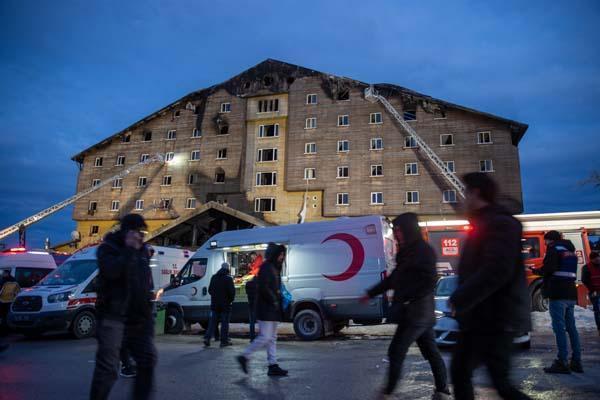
<point>166,181</point>
<point>176,114</point>
<point>120,161</point>
<point>95,182</point>
<point>196,133</point>
<point>98,162</point>
<point>343,94</point>
<point>146,136</point>
<point>169,156</point>
<point>266,155</point>
<point>310,173</point>
<point>94,230</point>
<point>93,206</point>
<point>449,165</point>
<point>266,179</point>
<point>376,197</point>
<point>411,169</point>
<point>343,172</point>
<point>264,204</point>
<point>172,134</point>
<point>439,114</point>
<point>376,170</point>
<point>225,107</point>
<point>164,204</point>
<point>410,113</point>
<point>126,138</point>
<point>191,179</point>
<point>447,139</point>
<point>219,175</point>
<point>343,199</point>
<point>222,154</point>
<point>343,120</point>
<point>268,130</point>
<point>224,130</point>
<point>270,105</point>
<point>484,137</point>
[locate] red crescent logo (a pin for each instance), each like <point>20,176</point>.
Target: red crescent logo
<point>358,256</point>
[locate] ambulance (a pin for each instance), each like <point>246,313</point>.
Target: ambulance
<point>64,300</point>
<point>329,266</point>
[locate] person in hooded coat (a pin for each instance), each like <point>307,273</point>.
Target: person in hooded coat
<point>269,309</point>
<point>413,308</point>
<point>222,294</point>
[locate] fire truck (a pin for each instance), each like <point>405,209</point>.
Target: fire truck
<point>581,228</point>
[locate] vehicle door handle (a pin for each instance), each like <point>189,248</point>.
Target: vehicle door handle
<point>204,291</point>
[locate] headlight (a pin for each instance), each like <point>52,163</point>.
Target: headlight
<point>59,297</point>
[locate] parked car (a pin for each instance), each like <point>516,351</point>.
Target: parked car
<point>328,267</point>
<point>65,299</point>
<point>446,327</point>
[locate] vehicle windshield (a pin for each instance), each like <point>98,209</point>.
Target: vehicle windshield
<point>70,273</point>
<point>446,286</point>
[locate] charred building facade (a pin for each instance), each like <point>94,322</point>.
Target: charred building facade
<point>254,149</point>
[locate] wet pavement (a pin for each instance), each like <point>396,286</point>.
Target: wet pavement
<point>349,366</point>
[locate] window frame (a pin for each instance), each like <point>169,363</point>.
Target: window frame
<point>145,178</point>
<point>406,201</point>
<point>258,180</point>
<point>451,135</point>
<point>196,133</point>
<point>409,112</point>
<point>119,158</point>
<point>168,178</point>
<point>171,134</point>
<point>117,183</point>
<point>411,139</point>
<point>445,201</point>
<point>137,205</point>
<point>225,108</point>
<point>260,152</point>
<point>96,182</point>
<point>192,153</point>
<point>479,137</point>
<point>169,156</point>
<point>376,140</point>
<point>314,174</point>
<point>98,162</point>
<point>95,203</point>
<point>188,201</point>
<point>222,156</point>
<point>341,168</point>
<point>376,203</point>
<point>375,122</point>
<point>112,203</point>
<point>374,167</point>
<point>144,157</point>
<point>94,230</point>
<point>262,131</point>
<point>343,141</point>
<point>485,170</point>
<point>411,164</point>
<point>310,96</point>
<point>341,118</point>
<point>307,148</point>
<point>147,136</point>
<point>191,179</point>
<point>447,163</point>
<point>342,194</point>
<point>310,126</point>
<point>272,201</point>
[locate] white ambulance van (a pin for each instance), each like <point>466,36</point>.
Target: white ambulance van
<point>329,266</point>
<point>65,299</point>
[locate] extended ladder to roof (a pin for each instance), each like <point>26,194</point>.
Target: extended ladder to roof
<point>59,206</point>
<point>372,95</point>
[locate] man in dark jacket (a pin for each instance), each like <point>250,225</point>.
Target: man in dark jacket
<point>590,276</point>
<point>222,294</point>
<point>413,308</point>
<point>251,293</point>
<point>124,308</point>
<point>491,302</point>
<point>269,310</point>
<point>560,273</point>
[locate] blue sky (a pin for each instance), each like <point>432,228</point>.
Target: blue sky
<point>75,72</point>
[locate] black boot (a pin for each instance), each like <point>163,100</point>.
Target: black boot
<point>275,370</point>
<point>557,367</point>
<point>576,366</point>
<point>243,361</point>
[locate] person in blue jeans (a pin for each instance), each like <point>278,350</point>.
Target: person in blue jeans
<point>590,276</point>
<point>560,272</point>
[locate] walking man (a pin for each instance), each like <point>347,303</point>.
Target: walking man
<point>413,282</point>
<point>124,309</point>
<point>222,294</point>
<point>591,279</point>
<point>269,311</point>
<point>560,272</point>
<point>491,302</point>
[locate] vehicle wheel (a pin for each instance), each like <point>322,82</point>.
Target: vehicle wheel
<point>308,325</point>
<point>538,301</point>
<point>174,321</point>
<point>84,325</point>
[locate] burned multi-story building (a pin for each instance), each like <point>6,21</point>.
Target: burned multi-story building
<point>254,149</point>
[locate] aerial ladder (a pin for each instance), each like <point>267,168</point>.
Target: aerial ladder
<point>21,225</point>
<point>373,96</point>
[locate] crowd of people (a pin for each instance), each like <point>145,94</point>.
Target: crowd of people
<point>491,302</point>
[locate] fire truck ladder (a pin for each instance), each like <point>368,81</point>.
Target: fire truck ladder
<point>59,206</point>
<point>372,95</point>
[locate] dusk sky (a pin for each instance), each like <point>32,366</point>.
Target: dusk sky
<point>75,72</point>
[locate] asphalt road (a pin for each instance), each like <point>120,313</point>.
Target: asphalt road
<point>350,366</point>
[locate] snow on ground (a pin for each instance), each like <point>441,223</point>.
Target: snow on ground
<point>584,320</point>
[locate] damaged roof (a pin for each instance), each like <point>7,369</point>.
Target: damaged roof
<point>273,76</point>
